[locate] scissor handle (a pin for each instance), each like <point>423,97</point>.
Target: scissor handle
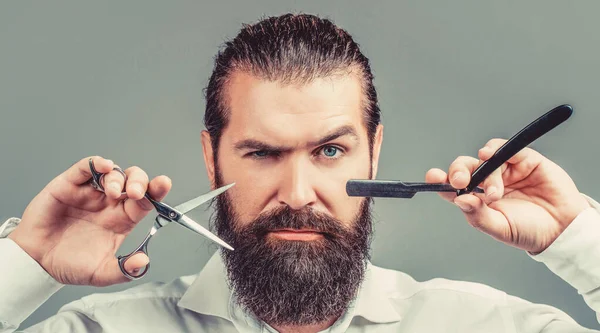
<point>97,177</point>
<point>143,247</point>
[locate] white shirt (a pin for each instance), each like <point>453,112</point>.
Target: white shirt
<point>388,301</point>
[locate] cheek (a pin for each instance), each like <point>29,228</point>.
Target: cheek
<point>252,191</point>
<point>332,187</point>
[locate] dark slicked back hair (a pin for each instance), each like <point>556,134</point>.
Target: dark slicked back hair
<point>293,49</point>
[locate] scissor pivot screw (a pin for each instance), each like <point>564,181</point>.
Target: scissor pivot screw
<point>172,215</point>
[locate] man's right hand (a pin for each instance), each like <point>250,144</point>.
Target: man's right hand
<point>73,230</point>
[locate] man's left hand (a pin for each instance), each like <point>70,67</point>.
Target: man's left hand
<point>528,202</point>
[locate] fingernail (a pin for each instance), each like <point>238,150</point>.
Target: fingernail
<point>135,271</point>
<point>115,186</point>
<point>490,191</point>
<point>137,188</point>
<point>457,175</point>
<point>464,206</point>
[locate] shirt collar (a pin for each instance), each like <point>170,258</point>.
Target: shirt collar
<point>374,302</point>
<point>210,294</point>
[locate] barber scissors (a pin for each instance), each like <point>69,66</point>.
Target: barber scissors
<point>398,189</point>
<point>166,215</point>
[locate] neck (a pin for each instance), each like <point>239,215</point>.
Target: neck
<point>314,328</point>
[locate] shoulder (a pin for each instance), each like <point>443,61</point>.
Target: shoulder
<point>399,285</point>
<point>155,292</point>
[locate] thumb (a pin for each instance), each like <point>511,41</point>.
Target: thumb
<point>112,274</point>
<point>482,217</point>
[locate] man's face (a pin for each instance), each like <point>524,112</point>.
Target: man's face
<point>295,146</point>
<point>300,242</point>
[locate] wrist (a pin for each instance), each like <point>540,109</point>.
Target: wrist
<point>23,241</point>
<point>572,210</point>
<point>575,209</point>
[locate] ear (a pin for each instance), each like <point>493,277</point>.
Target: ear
<point>209,160</point>
<point>378,140</point>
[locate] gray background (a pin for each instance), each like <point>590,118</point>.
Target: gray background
<point>124,79</point>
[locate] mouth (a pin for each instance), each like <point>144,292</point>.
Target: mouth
<point>296,234</point>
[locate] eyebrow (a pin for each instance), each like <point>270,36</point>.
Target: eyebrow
<point>252,144</point>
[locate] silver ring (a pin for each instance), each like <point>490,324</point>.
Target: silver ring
<point>96,180</point>
<point>121,172</point>
<point>98,185</point>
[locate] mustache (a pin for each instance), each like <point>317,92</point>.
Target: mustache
<point>285,217</point>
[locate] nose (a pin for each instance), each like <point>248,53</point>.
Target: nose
<point>297,185</point>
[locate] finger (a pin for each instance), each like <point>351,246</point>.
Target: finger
<point>135,265</point>
<point>158,188</point>
<point>490,148</point>
<point>521,164</point>
<point>137,183</point>
<point>111,273</point>
<point>436,175</point>
<point>485,153</point>
<point>80,172</point>
<point>113,183</point>
<point>482,217</point>
<point>460,171</point>
<point>493,187</point>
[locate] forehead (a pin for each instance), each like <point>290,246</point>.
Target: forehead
<point>276,109</point>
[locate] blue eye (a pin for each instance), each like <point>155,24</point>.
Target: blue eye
<point>264,154</point>
<point>260,153</point>
<point>330,151</point>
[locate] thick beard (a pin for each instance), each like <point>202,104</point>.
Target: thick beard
<point>294,282</point>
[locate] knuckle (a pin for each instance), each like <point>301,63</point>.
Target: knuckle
<point>463,161</point>
<point>162,178</point>
<point>529,151</point>
<point>133,169</point>
<point>457,161</point>
<point>117,173</point>
<point>137,173</point>
<point>83,163</point>
<point>495,143</point>
<point>431,172</point>
<point>114,176</point>
<point>489,143</point>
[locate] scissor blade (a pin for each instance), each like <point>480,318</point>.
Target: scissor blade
<point>194,226</point>
<point>191,204</point>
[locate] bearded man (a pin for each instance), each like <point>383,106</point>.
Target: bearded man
<point>291,116</point>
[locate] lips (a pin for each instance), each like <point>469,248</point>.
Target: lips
<point>296,234</point>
